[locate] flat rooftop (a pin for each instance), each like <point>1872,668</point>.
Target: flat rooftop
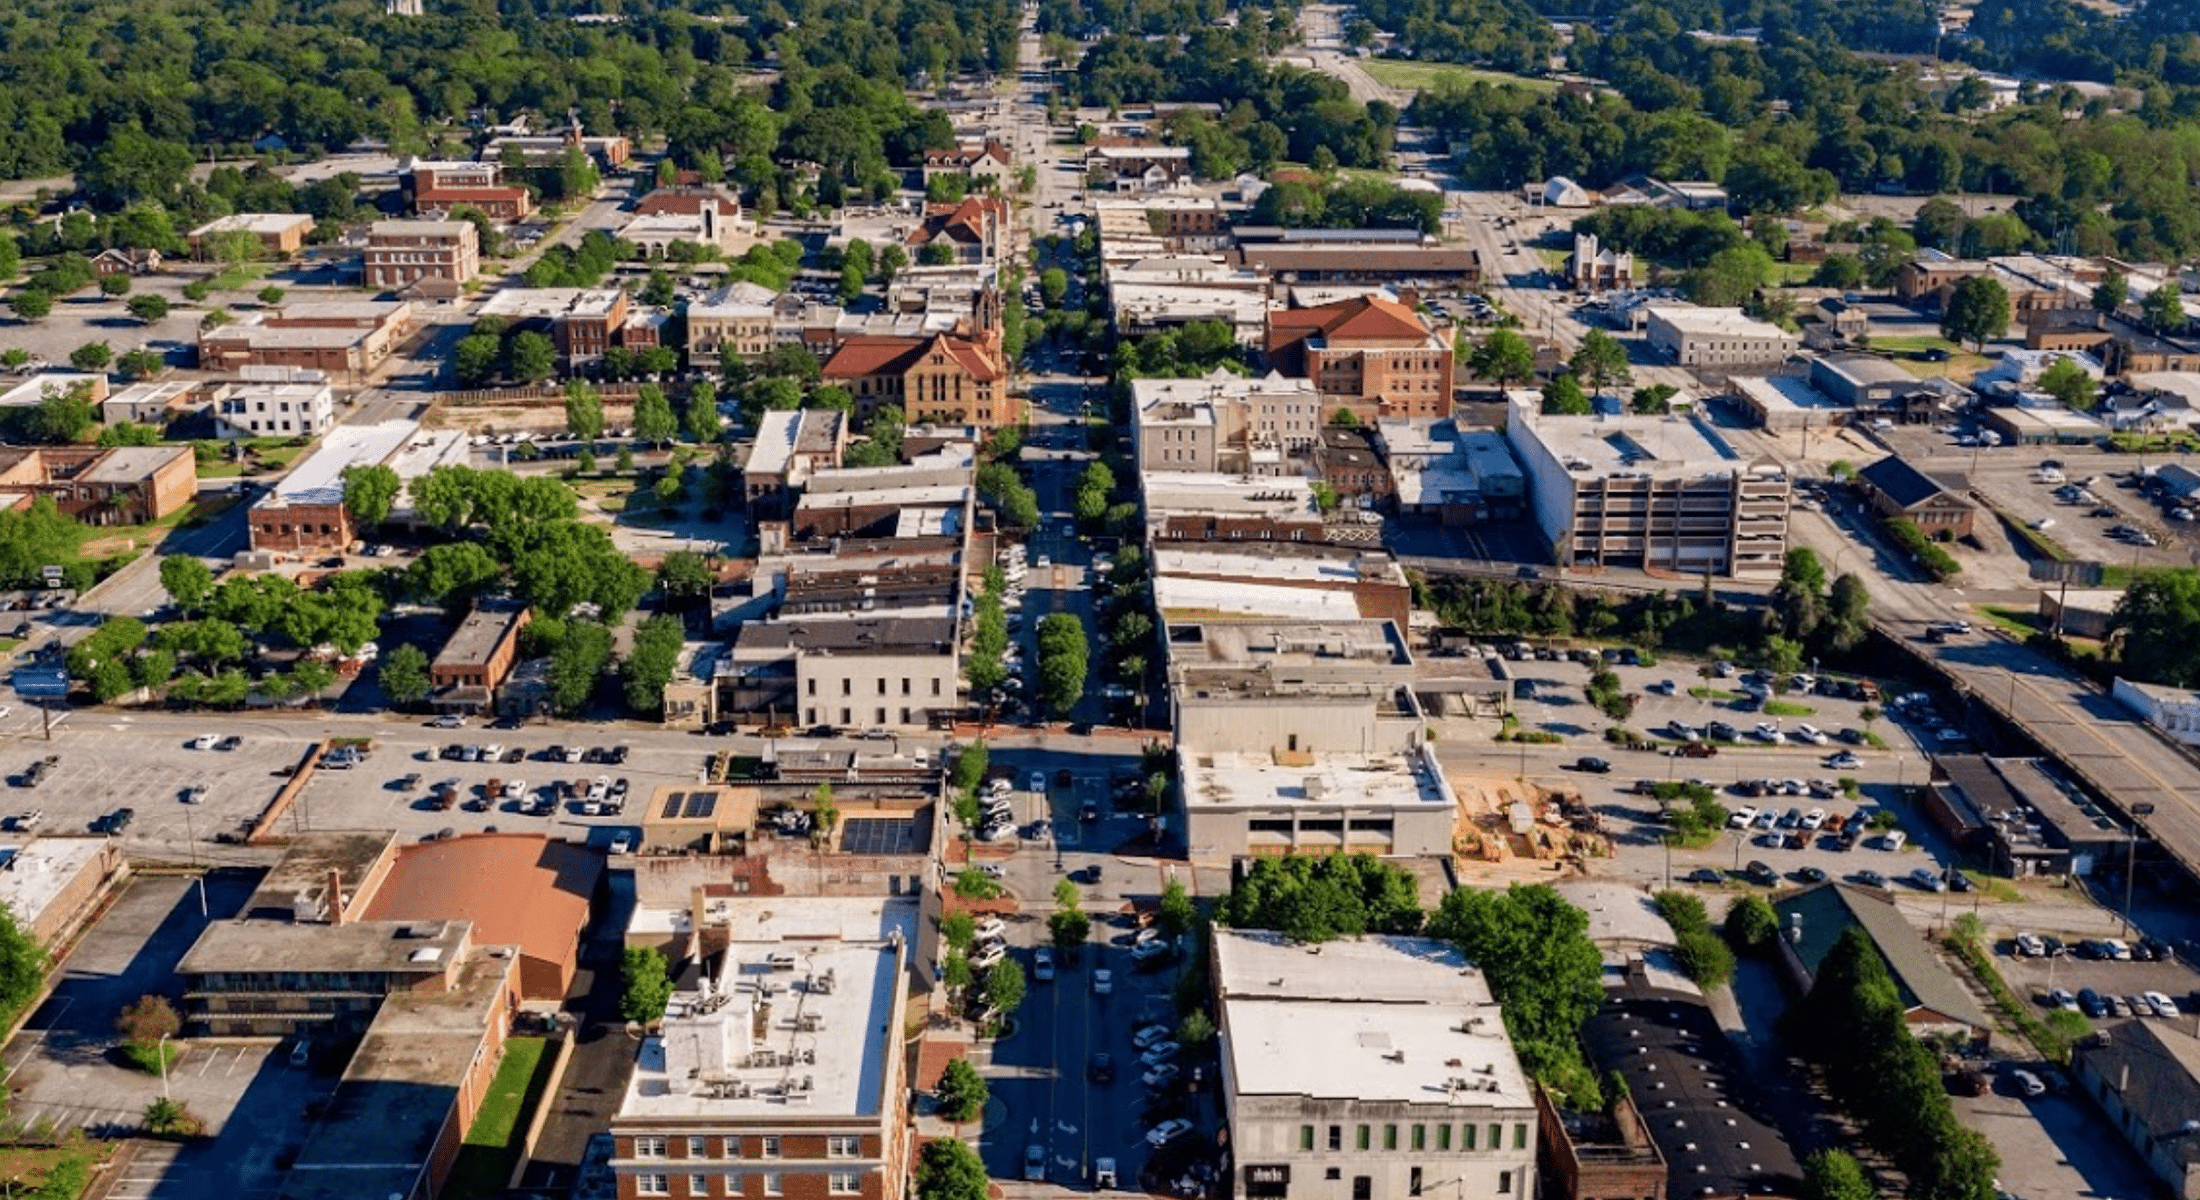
<point>33,873</point>
<point>1596,447</point>
<point>1198,492</point>
<point>1183,598</point>
<point>262,223</point>
<point>1722,322</point>
<point>799,1016</point>
<point>303,869</point>
<point>852,634</point>
<point>1785,393</point>
<point>48,383</point>
<point>319,479</point>
<point>478,636</point>
<point>132,464</point>
<point>1292,562</point>
<point>257,946</point>
<point>1398,1020</point>
<point>418,229</point>
<point>1288,644</point>
<point>1235,780</point>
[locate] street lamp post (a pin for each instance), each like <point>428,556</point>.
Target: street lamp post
<point>160,1051</point>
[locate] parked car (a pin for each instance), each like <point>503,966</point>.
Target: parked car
<point>1705,875</point>
<point>1035,1163</point>
<point>1102,1069</point>
<point>1168,1131</point>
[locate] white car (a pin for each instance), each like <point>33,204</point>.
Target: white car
<point>2162,1005</point>
<point>1103,982</point>
<point>1812,734</point>
<point>493,752</point>
<point>1741,817</point>
<point>999,787</point>
<point>1045,562</point>
<point>1160,1052</point>
<point>1149,1036</point>
<point>991,927</point>
<point>1768,731</point>
<point>1814,819</point>
<point>1038,782</point>
<point>600,790</point>
<point>987,955</point>
<point>1042,965</point>
<point>1161,1076</point>
<point>1168,1131</point>
<point>448,721</point>
<point>515,789</point>
<point>622,844</point>
<point>2028,1083</point>
<point>204,741</point>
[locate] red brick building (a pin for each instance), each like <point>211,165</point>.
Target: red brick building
<point>948,378</point>
<point>1373,356</point>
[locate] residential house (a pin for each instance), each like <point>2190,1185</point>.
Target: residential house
<point>116,260</point>
<point>1938,505</point>
<point>974,230</point>
<point>988,161</point>
<point>2152,402</point>
<point>1374,357</point>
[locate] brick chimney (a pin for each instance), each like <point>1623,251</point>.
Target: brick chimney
<point>335,896</point>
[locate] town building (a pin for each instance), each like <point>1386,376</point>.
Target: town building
<point>126,485</point>
<point>150,402</point>
<point>1140,168</point>
<point>1299,736</point>
<point>949,378</point>
<point>1144,309</point>
<point>1348,462</point>
<point>2173,711</point>
<point>2079,612</point>
<point>1308,580</point>
<point>47,385</point>
<point>303,513</point>
<point>698,216</point>
<point>735,322</point>
<point>2153,402</point>
<point>523,890</point>
<point>1715,337</point>
<point>583,322</point>
<point>434,189</point>
<point>974,230</point>
<point>1374,357</point>
<point>2122,345</point>
<point>1658,493</point>
<point>1697,1099</point>
<point>1455,476</point>
<point>1860,380</point>
<point>1194,507</point>
<point>1376,1068</point>
<point>1399,258</point>
<point>432,258</point>
<point>2022,818</point>
<point>780,1072</point>
<point>2145,1077</point>
<point>1156,225</point>
<point>478,657</point>
<point>789,447</point>
<point>988,160</point>
<point>280,235</point>
<point>1598,1154</point>
<point>53,886</point>
<point>852,670</point>
<point>338,338</point>
<point>252,409</point>
<point>1591,268</point>
<point>1786,404</point>
<point>1232,424</point>
<point>1938,505</point>
<point>609,151</point>
<point>1933,1001</point>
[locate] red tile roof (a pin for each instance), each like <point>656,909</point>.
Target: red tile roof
<point>1359,317</point>
<point>519,889</point>
<point>865,356</point>
<point>685,201</point>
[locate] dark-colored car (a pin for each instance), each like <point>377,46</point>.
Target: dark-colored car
<point>1102,1069</point>
<point>118,821</point>
<point>1762,873</point>
<point>1594,766</point>
<point>1871,879</point>
<point>2090,1001</point>
<point>1705,875</point>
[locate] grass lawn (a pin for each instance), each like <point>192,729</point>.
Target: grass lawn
<point>99,541</point>
<point>33,1167</point>
<point>1792,274</point>
<point>1995,887</point>
<point>2150,443</point>
<point>1787,708</point>
<point>1397,73</point>
<point>260,456</point>
<point>2020,621</point>
<point>1712,693</point>
<point>237,276</point>
<point>485,1162</point>
<point>1961,364</point>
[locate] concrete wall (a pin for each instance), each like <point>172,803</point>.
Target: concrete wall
<point>896,691</point>
<point>1270,1131</point>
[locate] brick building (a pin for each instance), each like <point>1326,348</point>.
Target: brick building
<point>340,338</point>
<point>1894,488</point>
<point>441,255</point>
<point>1375,357</point>
<point>438,187</point>
<point>280,234</point>
<point>948,378</point>
<point>478,657</point>
<point>781,1075</point>
<point>127,485</point>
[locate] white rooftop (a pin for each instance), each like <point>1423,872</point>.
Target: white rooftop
<point>1234,780</point>
<point>1251,562</point>
<point>1198,492</point>
<point>319,478</point>
<point>1618,913</point>
<point>33,873</point>
<point>1724,322</point>
<point>1785,393</point>
<point>797,1019</point>
<point>1597,446</point>
<point>44,384</point>
<point>259,223</point>
<point>1398,1020</point>
<point>774,445</point>
<point>1236,597</point>
<point>743,299</point>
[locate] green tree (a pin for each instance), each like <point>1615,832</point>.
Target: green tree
<point>1053,287</point>
<point>1063,659</point>
<point>1176,914</point>
<point>2155,630</point>
<point>141,364</point>
<point>2164,308</point>
<point>1601,361</point>
<point>2068,382</point>
<point>685,578</point>
<point>1836,1175</point>
<point>370,492</point>
<point>958,930</point>
<point>403,674</point>
<point>962,1094</point>
<point>31,306</point>
<point>92,356</point>
<point>1534,949</point>
<point>2112,292</point>
<point>312,677</point>
<point>1004,986</point>
<point>146,306</point>
<point>1196,1029</point>
<point>948,1169</point>
<point>647,984</point>
<point>654,421</point>
<point>1068,929</point>
<point>704,422</point>
<point>583,411</point>
<point>1704,958</point>
<point>1504,357</point>
<point>651,664</point>
<point>127,433</point>
<point>1317,900</point>
<point>271,295</point>
<point>1977,309</point>
<point>1564,397</point>
<point>533,357</point>
<point>476,359</point>
<point>144,1022</point>
<point>22,962</point>
<point>187,580</point>
<point>577,665</point>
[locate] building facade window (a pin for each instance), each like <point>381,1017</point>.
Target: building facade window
<point>698,1185</point>
<point>697,1147</point>
<point>649,1147</point>
<point>1306,1137</point>
<point>843,1183</point>
<point>1520,1136</point>
<point>1361,1137</point>
<point>842,1147</point>
<point>1390,1137</point>
<point>1336,1137</point>
<point>773,1184</point>
<point>652,1185</point>
<point>770,1146</point>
